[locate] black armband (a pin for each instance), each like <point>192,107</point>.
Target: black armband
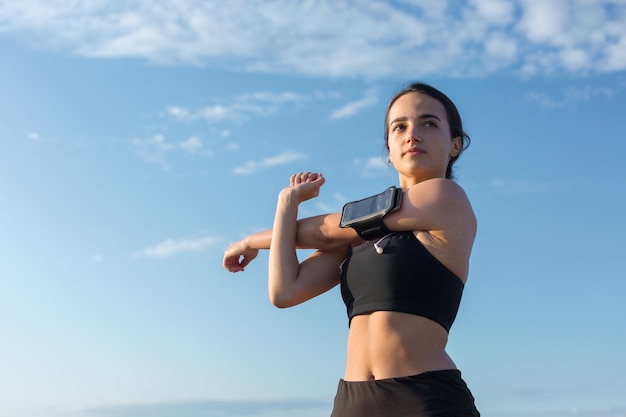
<point>366,215</point>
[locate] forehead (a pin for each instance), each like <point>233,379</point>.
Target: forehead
<point>415,104</point>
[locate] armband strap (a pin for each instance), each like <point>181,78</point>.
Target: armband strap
<point>366,216</point>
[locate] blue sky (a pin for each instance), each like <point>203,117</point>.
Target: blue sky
<point>139,139</point>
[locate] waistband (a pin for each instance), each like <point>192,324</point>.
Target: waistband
<point>425,376</point>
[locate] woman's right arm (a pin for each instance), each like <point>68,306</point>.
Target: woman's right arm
<point>319,232</point>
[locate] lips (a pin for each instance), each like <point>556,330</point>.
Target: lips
<point>414,151</point>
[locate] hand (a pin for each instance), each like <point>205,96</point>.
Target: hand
<point>305,185</point>
<point>237,256</point>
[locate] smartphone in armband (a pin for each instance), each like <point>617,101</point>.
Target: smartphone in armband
<point>366,215</point>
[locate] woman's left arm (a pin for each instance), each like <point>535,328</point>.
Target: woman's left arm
<point>436,204</point>
<point>289,282</point>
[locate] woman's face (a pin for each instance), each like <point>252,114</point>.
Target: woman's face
<point>419,141</point>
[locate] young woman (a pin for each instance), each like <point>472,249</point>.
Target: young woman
<point>402,288</point>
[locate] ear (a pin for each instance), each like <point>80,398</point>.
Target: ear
<point>389,161</point>
<point>456,147</point>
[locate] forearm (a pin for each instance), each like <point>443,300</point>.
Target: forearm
<point>318,232</point>
<point>283,261</point>
<point>259,240</point>
<point>323,233</point>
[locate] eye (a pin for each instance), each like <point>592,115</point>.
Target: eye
<point>398,127</point>
<point>430,123</point>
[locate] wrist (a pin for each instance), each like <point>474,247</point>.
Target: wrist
<point>246,243</point>
<point>288,198</point>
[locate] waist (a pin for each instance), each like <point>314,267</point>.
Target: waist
<point>387,344</point>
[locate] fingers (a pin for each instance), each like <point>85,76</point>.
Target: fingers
<point>235,265</point>
<point>237,256</point>
<point>302,177</point>
<point>232,255</point>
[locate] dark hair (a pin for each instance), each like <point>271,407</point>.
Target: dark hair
<point>452,113</point>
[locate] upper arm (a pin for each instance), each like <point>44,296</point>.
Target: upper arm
<point>437,204</point>
<point>317,274</point>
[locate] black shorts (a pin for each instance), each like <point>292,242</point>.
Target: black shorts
<point>430,394</point>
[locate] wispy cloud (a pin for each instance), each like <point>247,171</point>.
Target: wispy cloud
<point>156,148</point>
<point>34,136</point>
<point>371,166</point>
<point>286,157</point>
<point>337,202</point>
<point>573,411</point>
<point>522,186</point>
<point>216,409</point>
<point>416,39</point>
<point>240,108</point>
<point>571,96</point>
<point>171,247</point>
<point>352,108</point>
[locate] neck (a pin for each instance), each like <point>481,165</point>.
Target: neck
<point>408,182</point>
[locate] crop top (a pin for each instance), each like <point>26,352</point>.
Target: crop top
<point>404,277</point>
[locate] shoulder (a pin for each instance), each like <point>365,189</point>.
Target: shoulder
<point>438,204</point>
<point>437,190</point>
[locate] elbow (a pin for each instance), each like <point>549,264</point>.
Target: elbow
<point>280,295</point>
<point>279,300</point>
<point>279,289</point>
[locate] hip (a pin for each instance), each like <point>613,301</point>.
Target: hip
<point>429,394</point>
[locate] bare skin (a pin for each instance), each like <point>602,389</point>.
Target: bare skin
<point>380,344</point>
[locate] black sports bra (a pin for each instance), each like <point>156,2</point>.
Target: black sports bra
<point>404,277</point>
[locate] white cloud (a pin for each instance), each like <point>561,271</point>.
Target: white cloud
<point>501,46</point>
<point>577,36</point>
<point>497,11</point>
<point>283,158</point>
<point>375,164</point>
<point>240,108</point>
<point>157,148</point>
<point>326,38</point>
<point>352,108</point>
<point>179,113</point>
<point>570,96</point>
<point>191,145</point>
<point>544,21</point>
<point>223,408</point>
<point>171,247</point>
<point>371,166</point>
<point>33,136</point>
<point>523,186</point>
<point>216,112</point>
<point>616,56</point>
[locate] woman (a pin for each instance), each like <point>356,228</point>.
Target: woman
<point>402,289</point>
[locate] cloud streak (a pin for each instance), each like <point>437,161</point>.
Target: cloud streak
<point>240,108</point>
<point>215,409</point>
<point>283,158</point>
<point>338,39</point>
<point>571,96</point>
<point>156,148</point>
<point>172,247</point>
<point>352,108</point>
<point>523,186</point>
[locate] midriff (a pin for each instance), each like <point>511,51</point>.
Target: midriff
<point>387,344</point>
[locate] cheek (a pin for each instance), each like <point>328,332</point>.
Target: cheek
<point>393,152</point>
<point>393,146</point>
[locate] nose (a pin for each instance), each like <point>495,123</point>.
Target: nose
<point>413,135</point>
